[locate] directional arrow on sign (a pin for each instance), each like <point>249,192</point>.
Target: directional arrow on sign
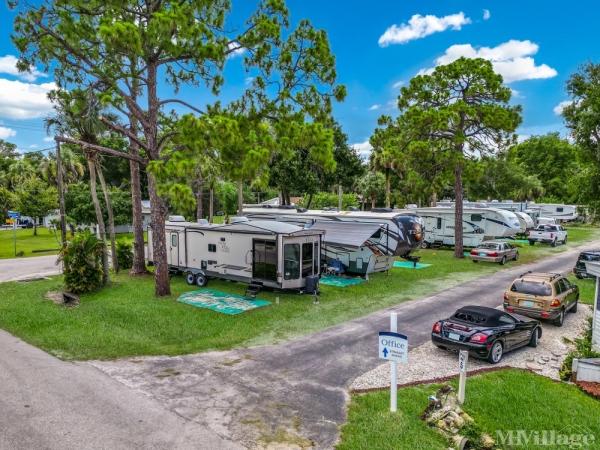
<point>385,352</point>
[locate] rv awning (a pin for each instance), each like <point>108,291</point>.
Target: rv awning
<point>351,234</point>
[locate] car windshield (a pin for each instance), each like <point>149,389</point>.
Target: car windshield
<point>589,257</point>
<point>531,287</point>
<point>489,246</point>
<point>470,317</point>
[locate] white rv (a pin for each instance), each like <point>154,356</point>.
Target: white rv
<point>363,241</point>
<point>562,213</point>
<point>525,220</point>
<point>261,253</point>
<point>479,224</point>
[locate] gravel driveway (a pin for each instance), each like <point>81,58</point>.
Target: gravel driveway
<point>427,362</point>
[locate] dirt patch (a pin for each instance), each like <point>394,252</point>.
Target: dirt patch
<point>589,388</point>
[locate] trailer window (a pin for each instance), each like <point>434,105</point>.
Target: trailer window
<point>476,217</point>
<point>560,209</point>
<point>307,259</point>
<point>173,240</point>
<point>212,248</point>
<point>291,261</point>
<point>439,223</point>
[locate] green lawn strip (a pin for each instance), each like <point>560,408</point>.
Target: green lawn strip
<point>587,289</point>
<point>498,401</point>
<point>125,319</point>
<point>45,243</point>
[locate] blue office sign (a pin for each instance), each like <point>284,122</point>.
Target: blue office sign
<point>14,215</point>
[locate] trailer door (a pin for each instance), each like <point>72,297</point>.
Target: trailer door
<point>174,249</point>
<point>264,260</point>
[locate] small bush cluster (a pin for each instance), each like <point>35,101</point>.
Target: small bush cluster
<point>124,254</point>
<point>82,259</point>
<point>583,349</point>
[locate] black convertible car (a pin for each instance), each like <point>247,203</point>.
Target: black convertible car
<point>485,332</point>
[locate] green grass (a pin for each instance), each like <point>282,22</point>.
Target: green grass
<point>45,243</point>
<point>498,401</point>
<point>27,242</point>
<point>587,289</point>
<point>125,319</point>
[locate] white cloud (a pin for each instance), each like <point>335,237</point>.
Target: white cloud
<point>420,26</point>
<point>374,107</point>
<point>398,84</point>
<point>516,94</point>
<point>8,65</point>
<point>48,139</point>
<point>512,59</point>
<point>19,100</point>
<point>33,146</point>
<point>236,49</point>
<point>364,148</point>
<point>558,109</point>
<point>6,133</point>
<point>486,14</point>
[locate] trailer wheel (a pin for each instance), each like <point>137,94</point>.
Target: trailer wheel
<point>201,280</point>
<point>190,278</point>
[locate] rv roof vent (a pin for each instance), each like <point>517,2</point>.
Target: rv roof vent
<point>494,201</point>
<point>301,209</point>
<point>382,210</point>
<point>202,222</point>
<point>238,219</point>
<point>330,208</point>
<point>176,219</point>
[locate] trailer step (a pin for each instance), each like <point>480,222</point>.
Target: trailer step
<point>252,290</point>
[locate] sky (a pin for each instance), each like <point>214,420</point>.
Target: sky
<point>379,45</point>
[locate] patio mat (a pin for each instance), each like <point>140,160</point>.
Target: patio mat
<point>222,302</point>
<point>330,280</point>
<point>409,265</point>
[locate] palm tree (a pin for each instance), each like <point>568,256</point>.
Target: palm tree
<point>73,167</point>
<point>78,114</point>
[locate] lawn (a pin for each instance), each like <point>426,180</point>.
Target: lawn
<point>498,401</point>
<point>125,319</point>
<point>47,242</point>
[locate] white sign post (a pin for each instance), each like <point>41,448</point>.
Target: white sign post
<point>463,358</point>
<point>393,347</point>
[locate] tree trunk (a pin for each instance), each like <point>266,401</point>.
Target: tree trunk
<point>458,212</point>
<point>240,208</point>
<point>198,193</point>
<point>340,197</point>
<point>372,201</point>
<point>99,219</point>
<point>61,197</point>
<point>139,258</point>
<point>211,203</point>
<point>310,199</point>
<point>111,219</point>
<point>159,240</point>
<point>35,219</point>
<point>388,188</point>
<point>433,198</point>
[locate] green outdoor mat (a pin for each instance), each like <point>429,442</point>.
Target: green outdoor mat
<point>220,301</point>
<point>331,280</point>
<point>409,265</point>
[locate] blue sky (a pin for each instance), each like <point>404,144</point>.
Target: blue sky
<point>379,45</point>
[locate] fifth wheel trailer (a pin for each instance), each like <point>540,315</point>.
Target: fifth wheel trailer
<point>261,253</point>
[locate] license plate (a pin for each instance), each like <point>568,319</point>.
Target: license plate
<point>527,304</point>
<point>454,336</point>
<point>483,254</point>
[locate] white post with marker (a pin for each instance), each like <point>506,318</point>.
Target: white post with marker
<point>393,347</point>
<point>463,358</point>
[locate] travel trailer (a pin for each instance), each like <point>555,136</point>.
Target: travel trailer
<point>562,213</point>
<point>525,221</point>
<point>363,241</point>
<point>261,253</point>
<point>479,224</point>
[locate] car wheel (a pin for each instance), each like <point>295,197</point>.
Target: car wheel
<point>579,276</point>
<point>201,280</point>
<point>560,319</point>
<point>190,278</point>
<point>574,307</point>
<point>533,341</point>
<point>531,242</point>
<point>496,352</point>
<point>503,261</point>
<point>553,243</point>
<point>565,241</point>
<point>517,256</point>
<point>475,261</point>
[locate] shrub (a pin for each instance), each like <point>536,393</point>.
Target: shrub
<point>322,200</point>
<point>82,259</point>
<point>124,254</point>
<point>583,349</point>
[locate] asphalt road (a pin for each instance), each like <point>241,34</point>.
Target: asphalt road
<point>47,403</point>
<point>19,268</point>
<point>298,389</point>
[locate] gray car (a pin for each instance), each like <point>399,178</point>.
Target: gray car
<point>495,251</point>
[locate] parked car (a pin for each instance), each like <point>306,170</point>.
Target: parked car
<point>542,296</point>
<point>580,270</point>
<point>494,251</point>
<point>549,234</point>
<point>486,333</point>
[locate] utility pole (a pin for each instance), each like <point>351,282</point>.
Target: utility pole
<point>61,195</point>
